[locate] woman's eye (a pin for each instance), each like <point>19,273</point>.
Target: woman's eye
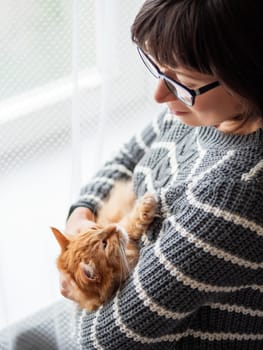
<point>104,243</point>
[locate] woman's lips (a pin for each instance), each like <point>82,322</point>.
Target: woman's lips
<point>178,112</point>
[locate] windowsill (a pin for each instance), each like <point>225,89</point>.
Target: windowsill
<point>47,95</point>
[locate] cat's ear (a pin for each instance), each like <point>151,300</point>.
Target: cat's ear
<point>89,271</point>
<point>62,240</point>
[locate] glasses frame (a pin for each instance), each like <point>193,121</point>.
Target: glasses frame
<point>165,78</point>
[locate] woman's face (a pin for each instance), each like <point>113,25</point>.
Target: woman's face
<point>217,107</point>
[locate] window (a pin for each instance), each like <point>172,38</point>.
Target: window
<point>70,81</point>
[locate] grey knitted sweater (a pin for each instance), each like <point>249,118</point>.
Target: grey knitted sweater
<point>199,280</point>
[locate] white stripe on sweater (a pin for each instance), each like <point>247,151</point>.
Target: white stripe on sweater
<point>237,308</point>
<point>164,312</point>
<point>79,327</point>
<point>169,117</point>
<point>118,167</point>
<point>201,153</point>
<point>102,179</point>
<point>148,177</point>
<point>164,206</point>
<point>171,148</point>
<point>140,142</point>
<point>253,171</point>
<point>195,284</point>
<point>219,336</point>
<point>155,126</point>
<point>216,211</point>
<point>152,305</point>
<point>175,315</point>
<point>126,151</point>
<point>93,335</point>
<point>208,248</point>
<point>226,215</point>
<point>213,336</point>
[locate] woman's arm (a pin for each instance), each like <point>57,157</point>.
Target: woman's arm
<point>82,214</point>
<point>121,166</point>
<point>207,257</point>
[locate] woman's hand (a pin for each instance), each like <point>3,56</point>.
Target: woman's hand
<point>68,287</point>
<point>80,220</point>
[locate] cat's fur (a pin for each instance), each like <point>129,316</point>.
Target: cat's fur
<point>102,258</point>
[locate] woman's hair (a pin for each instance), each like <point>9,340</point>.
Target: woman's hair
<point>219,37</point>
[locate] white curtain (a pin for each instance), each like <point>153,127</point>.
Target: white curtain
<point>72,89</point>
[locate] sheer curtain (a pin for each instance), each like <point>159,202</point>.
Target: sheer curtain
<point>72,89</point>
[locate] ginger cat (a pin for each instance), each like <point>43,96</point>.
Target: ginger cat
<point>102,258</point>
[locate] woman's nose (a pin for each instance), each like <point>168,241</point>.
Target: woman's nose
<point>162,94</point>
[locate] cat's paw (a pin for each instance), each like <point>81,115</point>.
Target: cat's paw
<point>147,208</point>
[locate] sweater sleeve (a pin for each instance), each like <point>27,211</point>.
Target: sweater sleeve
<point>120,167</point>
<point>208,253</point>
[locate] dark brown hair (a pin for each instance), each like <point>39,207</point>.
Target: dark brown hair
<point>219,37</point>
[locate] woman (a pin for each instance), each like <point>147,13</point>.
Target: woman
<point>199,281</point>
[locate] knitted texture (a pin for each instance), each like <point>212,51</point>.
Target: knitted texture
<point>199,280</point>
<point>199,283</point>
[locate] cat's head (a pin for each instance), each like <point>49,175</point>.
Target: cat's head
<point>96,260</point>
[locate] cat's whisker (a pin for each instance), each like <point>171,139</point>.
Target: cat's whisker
<point>124,233</point>
<point>124,266</point>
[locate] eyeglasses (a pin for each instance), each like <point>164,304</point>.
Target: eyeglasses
<point>183,93</point>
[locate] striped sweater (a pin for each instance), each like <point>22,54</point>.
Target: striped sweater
<point>199,280</point>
